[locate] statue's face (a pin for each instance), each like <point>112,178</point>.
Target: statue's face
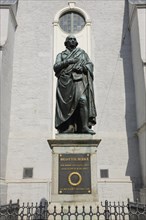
<point>72,42</point>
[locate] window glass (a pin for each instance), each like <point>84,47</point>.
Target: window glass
<point>72,22</point>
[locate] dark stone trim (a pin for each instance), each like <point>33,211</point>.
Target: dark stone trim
<point>138,3</point>
<point>8,2</point>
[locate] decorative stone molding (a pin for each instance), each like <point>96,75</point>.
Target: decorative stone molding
<point>139,3</point>
<point>6,13</point>
<point>141,129</point>
<point>134,5</point>
<point>8,2</point>
<point>137,12</point>
<point>71,7</point>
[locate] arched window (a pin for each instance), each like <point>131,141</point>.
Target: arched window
<point>71,22</point>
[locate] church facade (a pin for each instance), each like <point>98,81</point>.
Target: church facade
<point>33,33</point>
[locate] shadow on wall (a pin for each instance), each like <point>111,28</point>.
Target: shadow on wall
<point>133,166</point>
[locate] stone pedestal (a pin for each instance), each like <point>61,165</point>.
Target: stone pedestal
<point>74,169</point>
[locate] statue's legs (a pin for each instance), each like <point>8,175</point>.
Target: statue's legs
<point>84,115</point>
<point>78,122</point>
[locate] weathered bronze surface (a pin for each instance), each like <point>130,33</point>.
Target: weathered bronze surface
<point>74,174</point>
<point>75,106</point>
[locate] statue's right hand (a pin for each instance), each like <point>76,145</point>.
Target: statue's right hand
<point>72,61</point>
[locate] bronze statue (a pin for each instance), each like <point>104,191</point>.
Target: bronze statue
<point>75,106</point>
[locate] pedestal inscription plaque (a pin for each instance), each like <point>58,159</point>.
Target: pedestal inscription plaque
<point>74,174</point>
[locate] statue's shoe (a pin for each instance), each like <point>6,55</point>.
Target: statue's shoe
<point>69,130</point>
<point>88,131</point>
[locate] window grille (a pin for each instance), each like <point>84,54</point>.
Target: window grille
<point>27,173</point>
<point>104,173</point>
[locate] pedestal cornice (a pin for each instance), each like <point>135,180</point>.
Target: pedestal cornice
<point>74,140</point>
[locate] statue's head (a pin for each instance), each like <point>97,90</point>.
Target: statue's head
<point>71,41</point>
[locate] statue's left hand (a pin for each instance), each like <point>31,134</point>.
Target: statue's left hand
<point>79,69</point>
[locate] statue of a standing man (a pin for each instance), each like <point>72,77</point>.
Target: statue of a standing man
<point>75,106</point>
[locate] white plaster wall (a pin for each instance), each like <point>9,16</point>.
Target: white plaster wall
<point>142,31</point>
<point>106,190</point>
<point>7,30</point>
<point>28,191</point>
<point>138,71</point>
<point>31,110</point>
<point>114,93</point>
<point>138,39</point>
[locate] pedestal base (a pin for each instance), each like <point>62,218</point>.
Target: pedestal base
<point>143,195</point>
<point>3,192</point>
<point>74,169</point>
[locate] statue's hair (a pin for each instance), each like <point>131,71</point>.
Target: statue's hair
<point>66,41</point>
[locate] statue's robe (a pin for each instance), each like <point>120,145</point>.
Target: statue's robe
<point>71,85</point>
